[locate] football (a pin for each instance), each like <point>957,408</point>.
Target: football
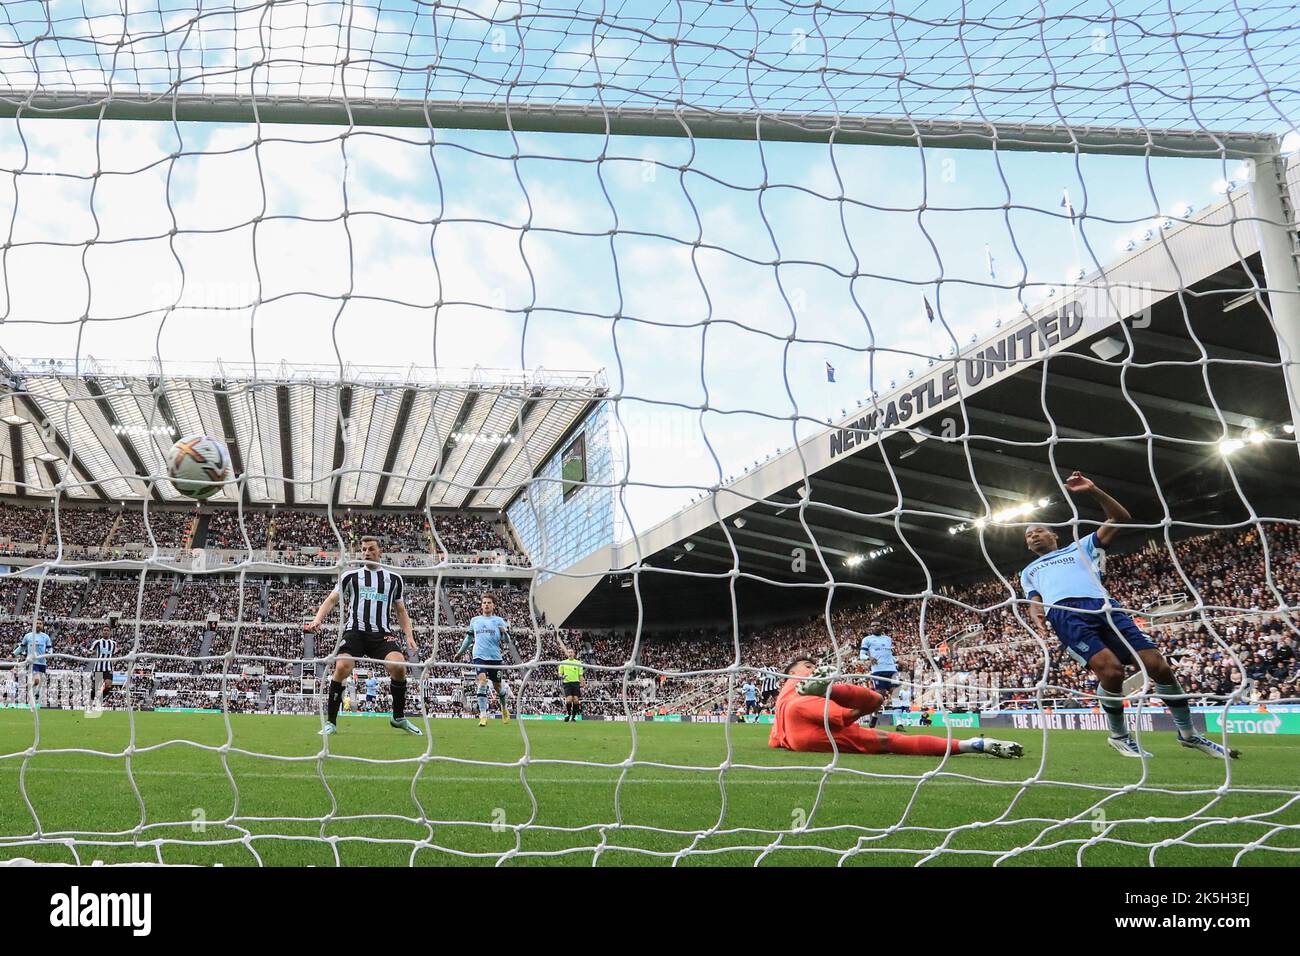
<point>197,465</point>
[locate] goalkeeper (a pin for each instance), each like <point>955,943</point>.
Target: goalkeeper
<point>809,703</point>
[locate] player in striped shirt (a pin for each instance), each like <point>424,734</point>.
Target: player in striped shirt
<point>768,685</point>
<point>489,635</point>
<point>371,596</point>
<point>103,649</point>
<point>1067,580</point>
<point>33,647</point>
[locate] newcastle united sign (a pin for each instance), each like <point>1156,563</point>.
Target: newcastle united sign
<point>977,369</point>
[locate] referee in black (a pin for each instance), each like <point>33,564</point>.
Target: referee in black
<point>104,649</point>
<point>371,594</point>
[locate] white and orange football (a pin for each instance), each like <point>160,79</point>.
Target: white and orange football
<point>197,466</point>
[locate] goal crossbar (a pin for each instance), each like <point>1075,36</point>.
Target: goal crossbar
<point>592,118</point>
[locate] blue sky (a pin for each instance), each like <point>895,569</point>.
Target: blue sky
<point>717,319</point>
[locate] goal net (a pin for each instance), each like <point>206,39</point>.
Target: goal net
<point>851,292</point>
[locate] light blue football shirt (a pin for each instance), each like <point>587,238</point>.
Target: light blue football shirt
<point>372,685</point>
<point>488,634</point>
<point>878,649</point>
<point>1069,572</point>
<point>35,644</point>
<point>751,692</point>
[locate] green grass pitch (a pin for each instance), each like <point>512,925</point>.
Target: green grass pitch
<point>909,805</point>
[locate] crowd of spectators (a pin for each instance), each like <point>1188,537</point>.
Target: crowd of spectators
<point>24,524</point>
<point>200,597</point>
<point>224,529</point>
<point>120,596</point>
<point>397,531</point>
<point>292,535</point>
<point>82,527</point>
<point>293,604</point>
<point>57,598</point>
<point>293,530</point>
<point>277,651</point>
<point>169,527</point>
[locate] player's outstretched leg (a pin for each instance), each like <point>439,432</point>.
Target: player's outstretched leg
<point>1167,688</point>
<point>924,745</point>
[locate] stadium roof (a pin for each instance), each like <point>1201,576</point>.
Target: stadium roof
<point>896,499</point>
<point>467,437</point>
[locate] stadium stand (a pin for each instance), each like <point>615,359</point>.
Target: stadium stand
<point>977,652</point>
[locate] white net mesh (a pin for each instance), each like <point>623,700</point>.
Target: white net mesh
<point>357,241</point>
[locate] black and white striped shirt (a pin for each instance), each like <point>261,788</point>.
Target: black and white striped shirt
<point>103,649</point>
<point>369,596</point>
<point>769,682</point>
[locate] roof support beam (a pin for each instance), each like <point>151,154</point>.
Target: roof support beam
<point>1008,458</point>
<point>1167,450</point>
<point>781,539</point>
<point>909,502</point>
<point>285,415</point>
<point>128,446</point>
<point>222,398</point>
<point>163,405</point>
<point>343,433</point>
<point>524,418</point>
<point>721,552</point>
<point>1173,406</point>
<point>821,531</point>
<point>38,418</point>
<point>53,474</point>
<point>1159,341</point>
<point>19,459</point>
<point>943,481</point>
<point>467,406</point>
<point>394,443</point>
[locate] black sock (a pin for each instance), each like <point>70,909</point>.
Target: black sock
<point>399,699</point>
<point>335,700</point>
<point>577,710</point>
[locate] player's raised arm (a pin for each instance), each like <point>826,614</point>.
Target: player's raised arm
<point>1116,513</point>
<point>464,645</point>
<point>322,612</point>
